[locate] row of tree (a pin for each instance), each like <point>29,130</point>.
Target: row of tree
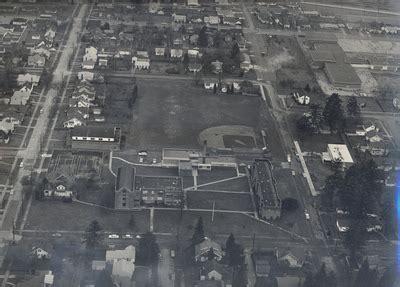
<point>331,116</point>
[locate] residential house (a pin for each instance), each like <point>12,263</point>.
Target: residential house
<point>85,76</point>
<point>213,270</point>
<point>202,250</point>
<point>211,20</point>
<point>378,148</point>
<point>209,84</point>
<point>263,186</point>
<point>88,65</point>
<point>48,279</point>
<point>176,53</point>
<point>36,61</point>
<point>76,116</point>
<point>128,253</point>
<point>178,17</point>
<point>12,113</point>
<point>59,186</point>
<point>263,261</point>
<point>217,67</point>
<point>42,51</point>
<point>369,126</point>
<point>338,153</point>
<point>40,253</point>
<point>159,51</point>
<point>98,265</point>
<point>396,103</point>
<point>192,53</point>
<point>90,50</point>
<point>292,258</point>
<point>28,78</point>
<point>103,62</point>
<point>374,136</point>
<point>195,67</point>
<point>21,97</point>
<point>193,2</point>
<point>80,102</point>
<point>141,63</point>
<point>245,63</point>
<point>122,272</point>
<point>289,281</point>
<point>50,34</point>
<point>193,39</point>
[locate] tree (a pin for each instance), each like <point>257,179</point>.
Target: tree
<point>104,279</point>
<point>148,250</point>
<point>202,41</point>
<point>234,252</point>
<point>235,51</point>
<point>366,277</point>
<point>132,222</point>
<point>290,204</point>
<point>307,88</point>
<point>92,237</point>
<point>333,184</point>
<point>316,116</point>
<point>304,127</point>
<point>353,109</point>
<point>215,89</point>
<point>321,278</point>
<point>355,237</point>
<point>198,235</point>
<point>333,113</point>
<point>185,60</point>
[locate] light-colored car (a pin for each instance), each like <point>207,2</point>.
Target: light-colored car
<point>141,159</point>
<point>56,235</point>
<point>127,236</point>
<point>154,160</point>
<point>307,215</point>
<point>138,236</point>
<point>172,252</point>
<point>142,153</point>
<point>113,236</point>
<point>21,164</point>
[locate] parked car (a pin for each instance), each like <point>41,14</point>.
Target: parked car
<point>142,153</point>
<point>56,235</point>
<point>307,215</point>
<point>154,160</point>
<point>21,165</point>
<point>141,159</point>
<point>113,236</point>
<point>127,236</point>
<point>172,252</point>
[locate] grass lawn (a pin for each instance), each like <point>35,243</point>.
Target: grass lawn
<point>173,113</point>
<point>223,201</point>
<point>56,215</point>
<point>237,184</point>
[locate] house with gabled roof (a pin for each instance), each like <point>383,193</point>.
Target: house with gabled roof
<point>202,250</point>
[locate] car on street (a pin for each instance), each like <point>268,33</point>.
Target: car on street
<point>307,215</point>
<point>172,252</point>
<point>141,159</point>
<point>113,236</point>
<point>138,236</point>
<point>154,160</point>
<point>21,164</point>
<point>56,235</point>
<point>127,236</point>
<point>142,153</point>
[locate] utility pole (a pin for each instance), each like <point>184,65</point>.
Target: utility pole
<point>13,230</point>
<point>213,210</point>
<point>254,241</point>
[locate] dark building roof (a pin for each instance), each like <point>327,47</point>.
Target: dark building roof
<point>266,182</point>
<point>342,74</point>
<point>125,178</point>
<point>90,131</point>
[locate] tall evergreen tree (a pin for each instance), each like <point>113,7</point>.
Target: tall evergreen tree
<point>202,41</point>
<point>92,237</point>
<point>353,109</point>
<point>198,235</point>
<point>333,113</point>
<point>148,250</point>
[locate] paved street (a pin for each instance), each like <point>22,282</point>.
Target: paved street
<point>166,269</point>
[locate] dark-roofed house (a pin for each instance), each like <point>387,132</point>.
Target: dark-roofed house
<point>95,138</point>
<point>264,188</point>
<point>263,262</point>
<point>342,76</point>
<point>202,249</point>
<point>213,270</point>
<point>125,195</point>
<point>315,37</point>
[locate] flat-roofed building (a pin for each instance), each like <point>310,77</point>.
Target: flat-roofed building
<point>95,138</point>
<point>342,76</point>
<point>265,191</point>
<point>338,153</point>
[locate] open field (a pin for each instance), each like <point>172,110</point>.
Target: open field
<point>223,201</point>
<point>237,184</point>
<point>173,113</point>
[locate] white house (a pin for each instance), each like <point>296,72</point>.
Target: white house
<point>195,67</point>
<point>40,253</point>
<point>74,122</point>
<point>245,64</point>
<point>141,63</point>
<point>36,60</point>
<point>21,97</point>
<point>373,136</point>
<point>212,20</point>
<point>159,51</point>
<point>88,65</point>
<point>85,75</point>
<point>98,265</point>
<point>129,253</point>
<point>28,78</point>
<point>193,53</point>
<point>210,84</point>
<point>176,53</point>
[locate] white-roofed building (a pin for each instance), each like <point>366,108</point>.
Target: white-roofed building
<point>338,153</point>
<point>129,253</point>
<point>49,279</point>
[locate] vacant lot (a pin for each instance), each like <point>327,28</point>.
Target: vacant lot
<point>222,201</point>
<point>173,113</point>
